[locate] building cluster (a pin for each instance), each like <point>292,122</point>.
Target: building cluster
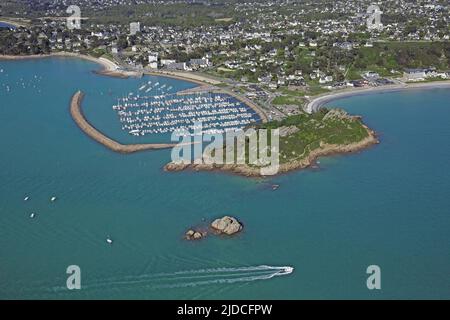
<point>271,43</point>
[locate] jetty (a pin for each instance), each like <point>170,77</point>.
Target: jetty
<point>77,115</point>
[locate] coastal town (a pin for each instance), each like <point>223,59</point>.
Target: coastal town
<point>278,54</point>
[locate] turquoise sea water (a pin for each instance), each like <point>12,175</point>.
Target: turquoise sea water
<point>388,205</point>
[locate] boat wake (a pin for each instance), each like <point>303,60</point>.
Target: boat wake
<point>192,278</point>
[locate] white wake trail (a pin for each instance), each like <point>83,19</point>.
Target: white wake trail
<point>192,278</point>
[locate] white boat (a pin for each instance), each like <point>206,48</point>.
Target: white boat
<point>109,240</point>
<point>53,199</point>
<point>32,215</point>
<point>26,198</point>
<point>288,270</point>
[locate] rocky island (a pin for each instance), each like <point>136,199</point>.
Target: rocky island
<point>192,234</point>
<point>226,225</point>
<point>302,139</point>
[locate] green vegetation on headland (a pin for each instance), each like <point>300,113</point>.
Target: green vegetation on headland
<point>303,133</point>
<point>302,138</point>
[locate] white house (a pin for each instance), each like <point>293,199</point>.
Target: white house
<point>177,66</point>
<point>415,74</point>
<point>166,62</point>
<point>153,65</point>
<point>134,28</point>
<point>326,79</point>
<point>153,57</point>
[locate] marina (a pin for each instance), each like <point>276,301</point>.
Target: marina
<point>155,109</point>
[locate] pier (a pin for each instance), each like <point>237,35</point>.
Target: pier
<point>77,115</point>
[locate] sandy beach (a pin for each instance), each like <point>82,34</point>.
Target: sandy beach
<point>319,101</point>
<point>105,63</point>
<point>16,22</point>
<point>109,68</point>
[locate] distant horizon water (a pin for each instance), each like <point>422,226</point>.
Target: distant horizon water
<point>386,206</point>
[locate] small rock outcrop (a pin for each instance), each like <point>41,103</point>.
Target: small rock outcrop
<point>227,225</point>
<point>194,235</point>
<point>287,131</point>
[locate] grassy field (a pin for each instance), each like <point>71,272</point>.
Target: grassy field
<point>305,133</point>
<point>296,97</point>
<point>314,129</point>
<point>288,100</point>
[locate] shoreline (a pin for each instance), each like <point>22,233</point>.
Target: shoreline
<point>77,115</point>
<point>109,68</point>
<point>319,101</point>
<point>15,22</point>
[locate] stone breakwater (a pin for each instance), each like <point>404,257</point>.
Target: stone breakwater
<point>253,171</point>
<point>77,115</point>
